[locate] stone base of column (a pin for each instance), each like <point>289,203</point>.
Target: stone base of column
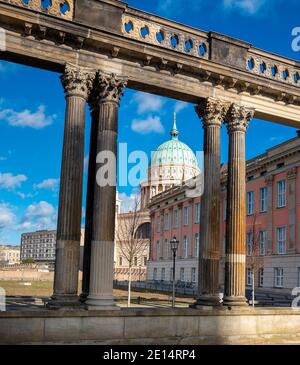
<point>66,302</point>
<point>207,301</point>
<point>102,302</point>
<point>235,302</point>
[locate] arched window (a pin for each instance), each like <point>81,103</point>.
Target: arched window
<point>143,231</point>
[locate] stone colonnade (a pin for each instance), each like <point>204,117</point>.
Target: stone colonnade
<point>103,93</point>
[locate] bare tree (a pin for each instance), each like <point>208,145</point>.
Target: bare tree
<point>254,259</point>
<point>131,242</point>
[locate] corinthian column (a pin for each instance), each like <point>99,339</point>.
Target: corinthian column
<point>94,108</point>
<point>238,119</point>
<point>109,89</point>
<point>212,112</point>
<point>76,83</point>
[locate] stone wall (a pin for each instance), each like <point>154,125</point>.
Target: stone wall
<point>152,326</point>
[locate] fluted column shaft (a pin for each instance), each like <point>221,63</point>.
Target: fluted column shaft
<point>212,113</point>
<point>90,199</point>
<point>76,83</point>
<point>110,89</point>
<point>237,121</point>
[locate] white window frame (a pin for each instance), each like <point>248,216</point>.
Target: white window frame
<point>249,243</point>
<point>155,274</point>
<point>185,247</point>
<point>263,199</point>
<point>157,248</point>
<point>166,222</point>
<point>262,242</point>
<point>186,216</point>
<point>158,224</point>
<point>261,277</point>
<point>166,248</point>
<point>281,240</point>
<point>182,278</point>
<point>249,276</point>
<point>197,213</point>
<point>281,193</point>
<point>163,274</point>
<point>278,277</point>
<point>250,202</point>
<point>175,218</point>
<point>193,275</point>
<point>196,245</point>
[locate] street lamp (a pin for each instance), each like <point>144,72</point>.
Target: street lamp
<point>174,247</point>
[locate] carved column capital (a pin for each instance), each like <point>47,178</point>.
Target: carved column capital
<point>212,111</point>
<point>238,118</point>
<point>107,88</point>
<point>77,81</point>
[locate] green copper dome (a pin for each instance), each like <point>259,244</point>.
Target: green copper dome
<point>174,152</point>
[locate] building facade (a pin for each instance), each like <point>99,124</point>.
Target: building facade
<point>9,255</point>
<point>38,246</point>
<point>273,224</point>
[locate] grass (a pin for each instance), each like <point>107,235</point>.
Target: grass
<point>45,289</point>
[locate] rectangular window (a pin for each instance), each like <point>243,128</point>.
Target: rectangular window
<point>250,202</point>
<point>182,274</point>
<point>186,216</point>
<point>262,242</point>
<point>185,247</point>
<point>281,240</point>
<point>193,275</point>
<point>158,224</point>
<point>197,213</point>
<point>163,274</point>
<point>263,199</point>
<point>249,243</point>
<point>249,276</point>
<point>166,222</point>
<point>281,194</point>
<point>157,250</point>
<point>196,245</point>
<point>175,218</point>
<point>261,277</point>
<point>166,249</point>
<point>155,274</point>
<point>278,277</point>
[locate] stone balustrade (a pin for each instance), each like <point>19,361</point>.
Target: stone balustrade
<point>60,8</point>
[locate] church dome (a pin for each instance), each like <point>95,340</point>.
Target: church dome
<point>174,152</point>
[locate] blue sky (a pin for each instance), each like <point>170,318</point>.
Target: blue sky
<point>32,110</point>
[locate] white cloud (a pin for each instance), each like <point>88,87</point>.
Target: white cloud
<point>246,6</point>
<point>10,181</point>
<point>48,184</point>
<point>148,125</point>
<point>38,216</point>
<point>147,102</point>
<point>7,217</point>
<point>2,158</point>
<point>179,106</point>
<point>27,118</point>
<point>24,195</point>
<point>128,202</point>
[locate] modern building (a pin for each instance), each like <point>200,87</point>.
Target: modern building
<point>9,255</point>
<point>38,246</point>
<point>273,224</point>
